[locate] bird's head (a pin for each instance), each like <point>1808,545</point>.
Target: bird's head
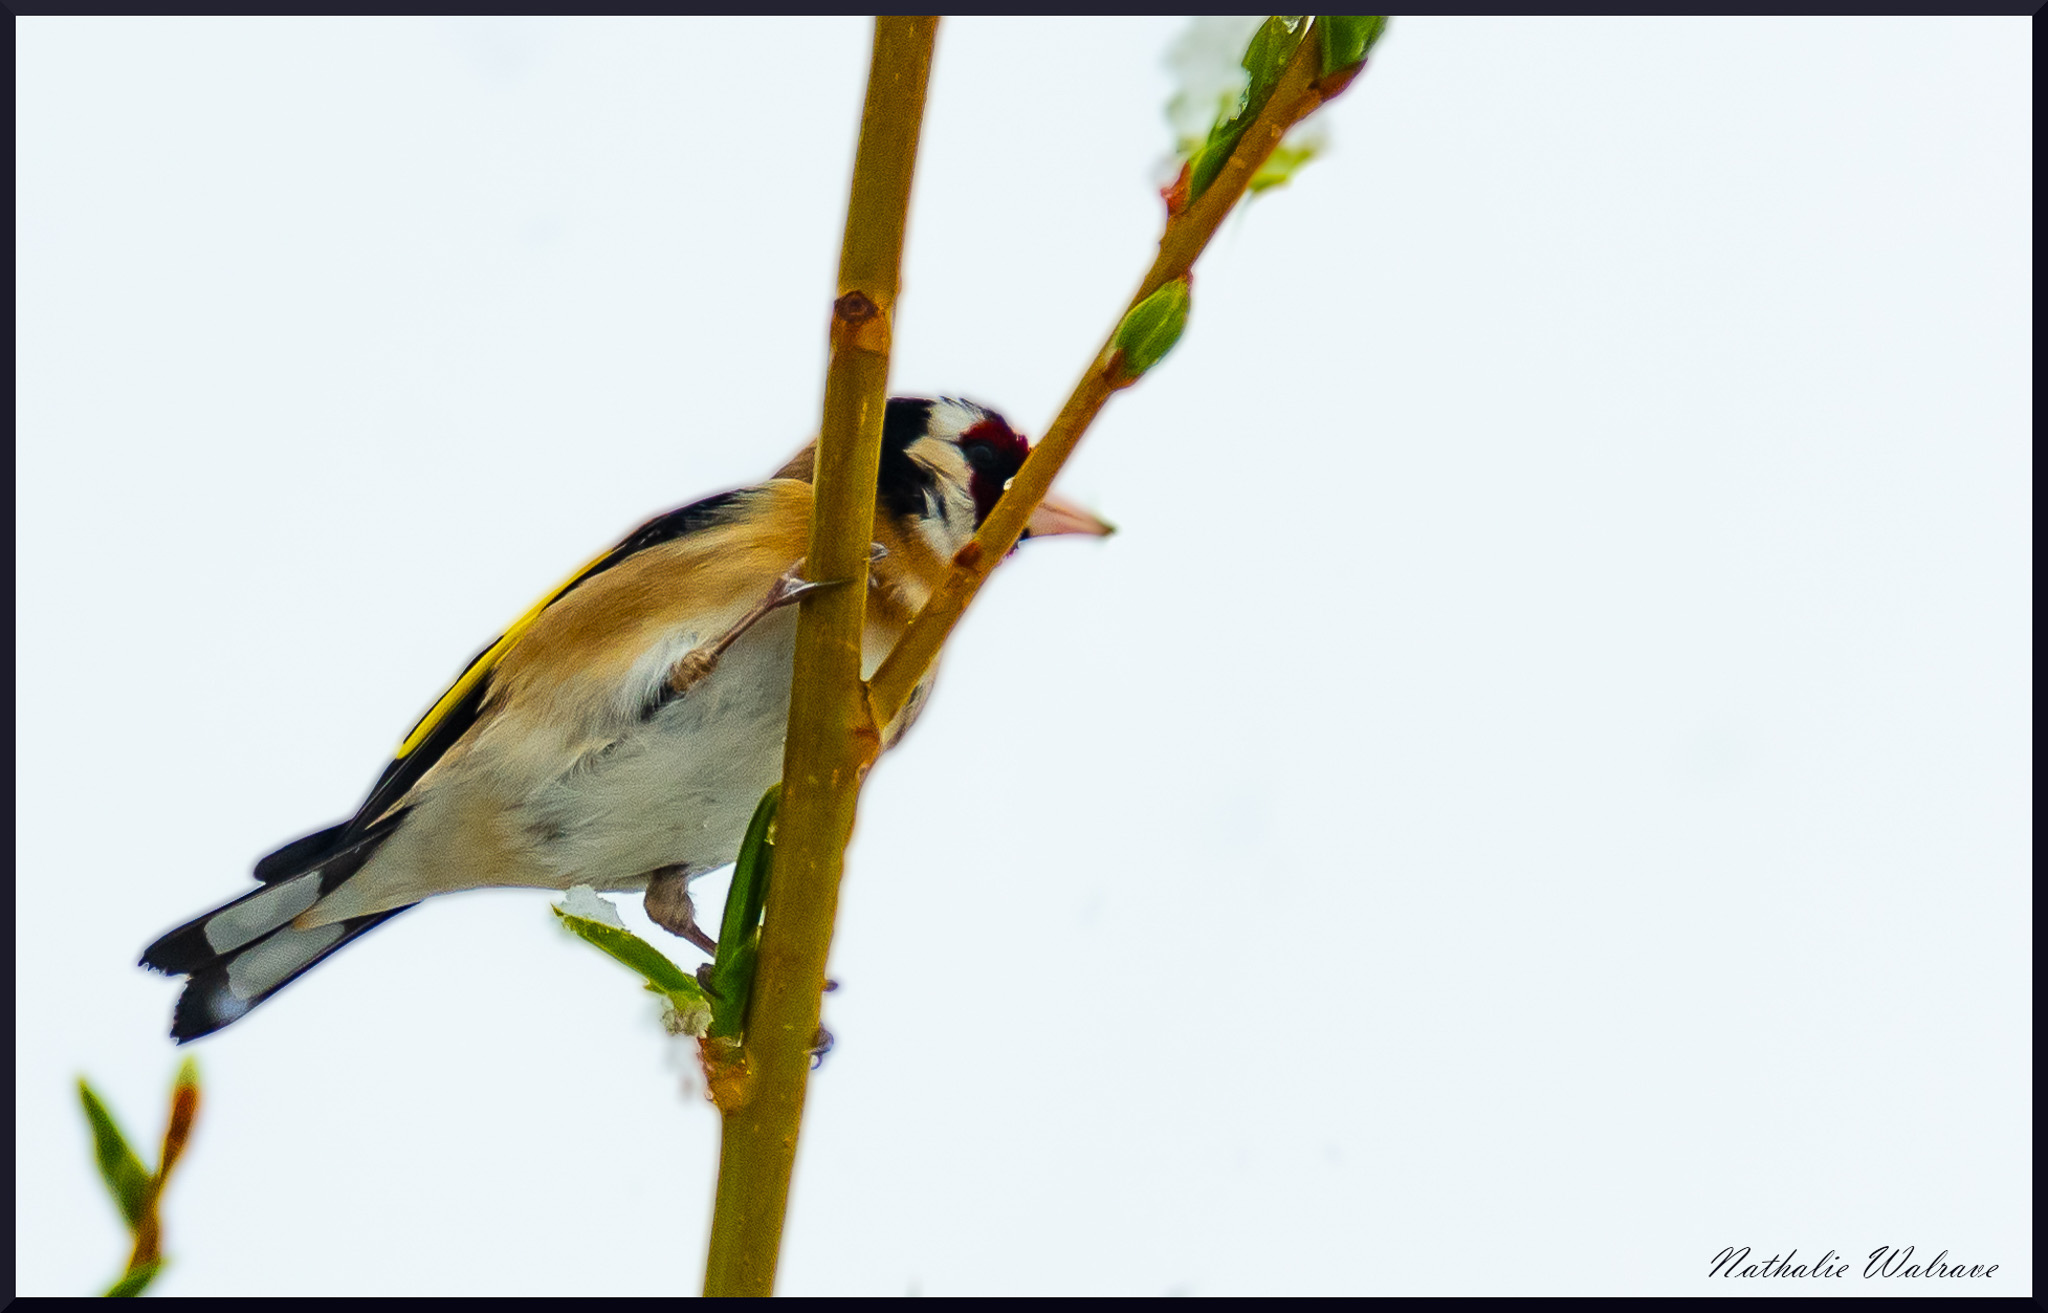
<point>944,464</point>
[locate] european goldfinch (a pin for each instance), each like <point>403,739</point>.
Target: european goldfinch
<point>621,732</point>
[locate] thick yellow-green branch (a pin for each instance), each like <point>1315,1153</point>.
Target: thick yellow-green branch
<point>1296,95</point>
<point>831,741</point>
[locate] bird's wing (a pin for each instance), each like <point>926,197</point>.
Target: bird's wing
<point>458,710</point>
<point>599,661</point>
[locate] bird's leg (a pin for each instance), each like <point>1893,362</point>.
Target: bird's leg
<point>789,586</point>
<point>668,906</point>
<point>701,660</point>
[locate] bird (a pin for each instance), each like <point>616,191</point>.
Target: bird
<point>620,733</point>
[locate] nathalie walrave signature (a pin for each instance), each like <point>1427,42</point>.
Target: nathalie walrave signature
<point>1884,1261</point>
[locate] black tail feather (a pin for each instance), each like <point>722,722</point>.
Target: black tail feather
<point>225,989</point>
<point>299,854</point>
<point>245,950</point>
<point>191,947</point>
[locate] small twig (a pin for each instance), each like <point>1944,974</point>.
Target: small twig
<point>1297,94</point>
<point>138,1192</point>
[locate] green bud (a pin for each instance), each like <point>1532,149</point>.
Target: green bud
<point>1271,47</point>
<point>1149,331</point>
<point>1208,162</point>
<point>1347,38</point>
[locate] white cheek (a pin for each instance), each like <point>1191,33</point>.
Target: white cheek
<point>938,534</point>
<point>953,527</point>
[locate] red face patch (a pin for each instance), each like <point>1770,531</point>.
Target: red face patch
<point>994,454</point>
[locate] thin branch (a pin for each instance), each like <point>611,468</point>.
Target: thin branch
<point>831,741</point>
<point>1297,94</point>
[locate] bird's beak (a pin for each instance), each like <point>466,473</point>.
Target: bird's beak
<point>1055,516</point>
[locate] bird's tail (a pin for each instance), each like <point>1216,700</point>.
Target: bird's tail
<point>243,951</point>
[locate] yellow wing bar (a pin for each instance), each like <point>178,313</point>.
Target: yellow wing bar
<point>484,664</point>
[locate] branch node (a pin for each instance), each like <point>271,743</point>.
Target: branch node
<point>726,1074</point>
<point>854,308</point>
<point>858,323</point>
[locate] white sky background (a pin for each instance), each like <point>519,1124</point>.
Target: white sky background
<point>1537,791</point>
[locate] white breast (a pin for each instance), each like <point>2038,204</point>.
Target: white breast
<point>679,788</point>
<point>674,789</point>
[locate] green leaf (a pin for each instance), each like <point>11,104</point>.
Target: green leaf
<point>739,930</point>
<point>1270,49</point>
<point>1152,327</point>
<point>1272,46</point>
<point>135,1280</point>
<point>662,976</point>
<point>127,1180</point>
<point>1209,81</point>
<point>1347,39</point>
<point>1208,162</point>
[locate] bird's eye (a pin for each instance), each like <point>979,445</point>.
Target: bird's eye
<point>980,453</point>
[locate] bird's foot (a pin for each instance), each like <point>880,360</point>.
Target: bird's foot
<point>790,586</point>
<point>668,906</point>
<point>697,664</point>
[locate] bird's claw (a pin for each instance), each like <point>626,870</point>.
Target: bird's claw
<point>791,585</point>
<point>668,905</point>
<point>697,664</point>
